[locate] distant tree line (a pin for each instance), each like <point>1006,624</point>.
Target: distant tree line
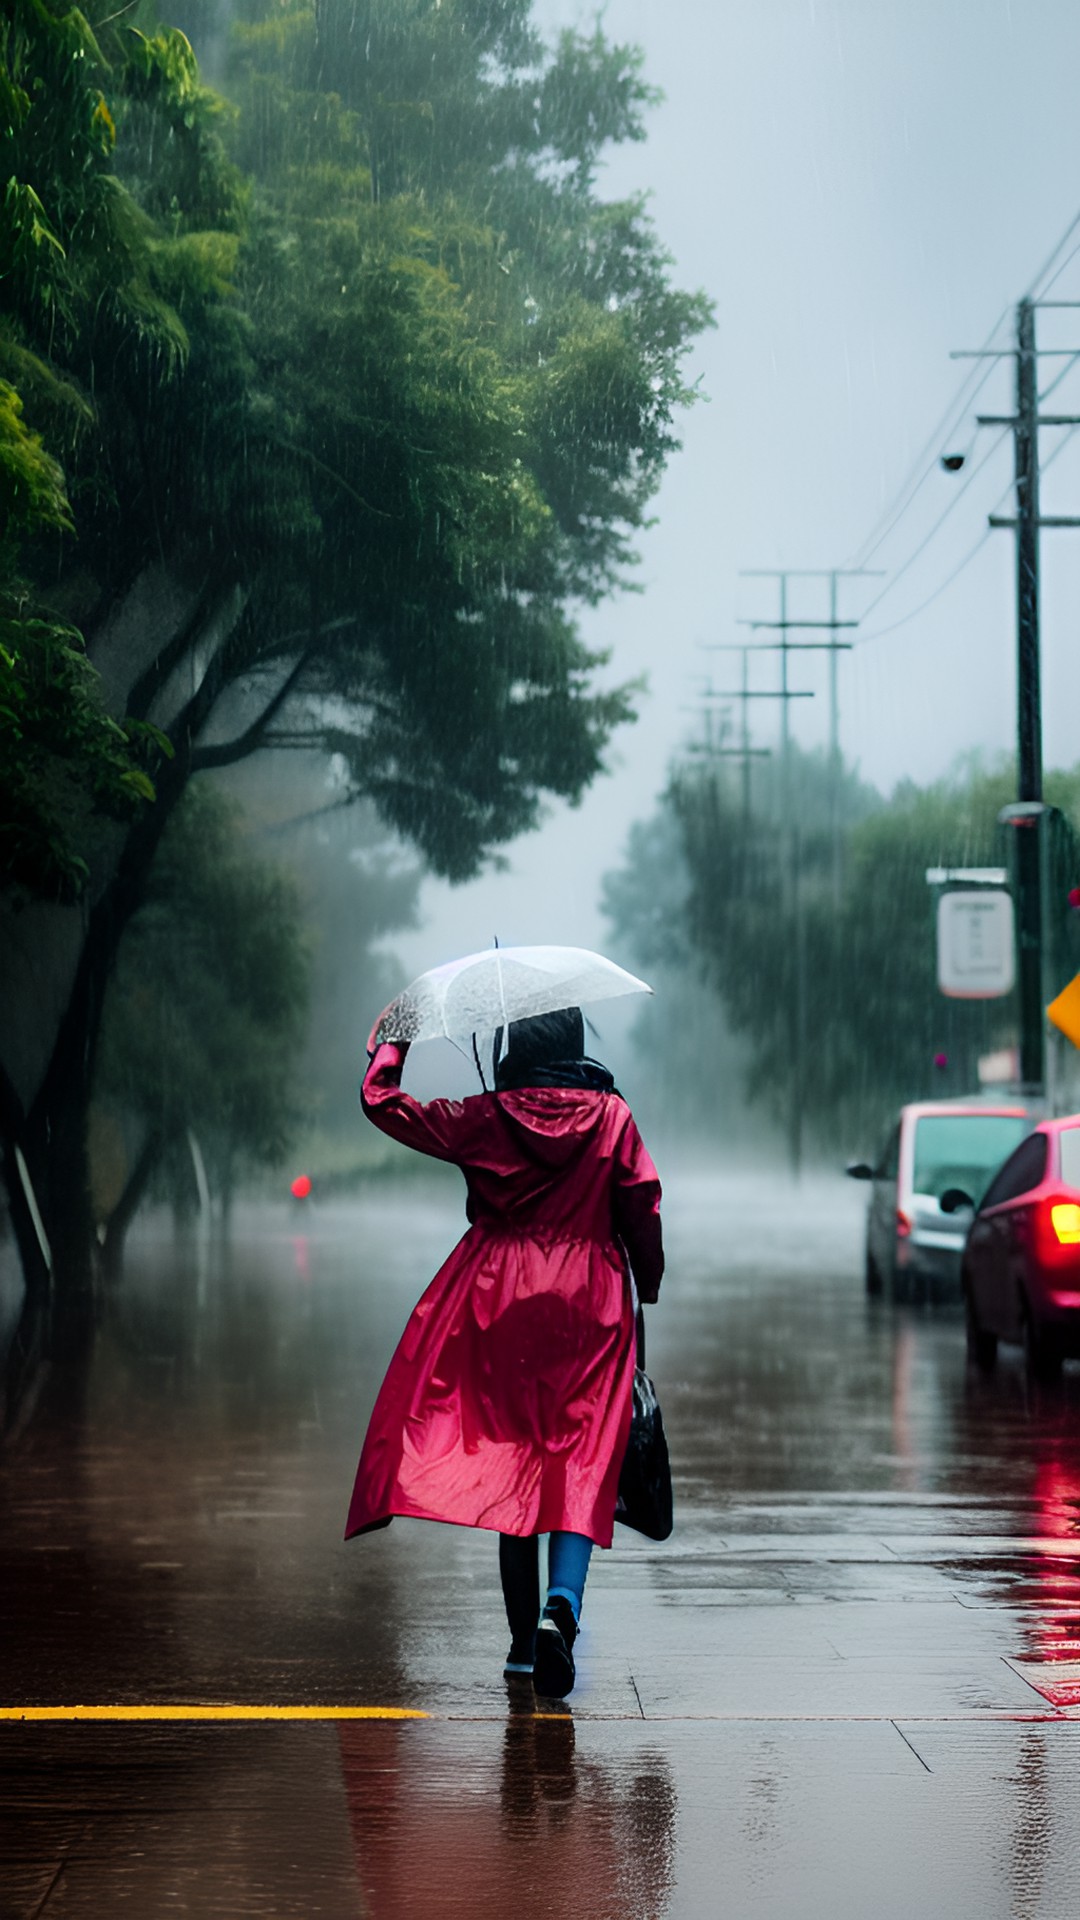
<point>321,405</point>
<point>825,968</point>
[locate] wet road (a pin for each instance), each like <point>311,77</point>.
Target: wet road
<point>849,1684</point>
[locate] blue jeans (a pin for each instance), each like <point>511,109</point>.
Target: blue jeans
<point>519,1568</point>
<point>568,1565</point>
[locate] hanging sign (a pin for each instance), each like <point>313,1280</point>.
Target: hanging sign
<point>975,945</point>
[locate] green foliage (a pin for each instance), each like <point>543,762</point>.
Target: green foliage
<point>475,365</point>
<point>83,275</point>
<point>645,900</point>
<point>32,495</point>
<point>363,355</point>
<point>687,1081</point>
<point>872,1017</point>
<point>207,1010</point>
<point>60,754</point>
<point>357,388</point>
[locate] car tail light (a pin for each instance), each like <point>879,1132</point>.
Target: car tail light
<point>1065,1218</point>
<point>1055,1226</point>
<point>903,1224</point>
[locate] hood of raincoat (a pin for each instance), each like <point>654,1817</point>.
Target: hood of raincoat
<point>552,1126</point>
<point>546,1088</point>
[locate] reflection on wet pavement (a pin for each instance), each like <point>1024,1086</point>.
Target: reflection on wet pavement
<point>527,1823</point>
<point>847,1685</point>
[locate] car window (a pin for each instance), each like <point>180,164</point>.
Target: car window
<point>963,1149</point>
<point>1022,1171</point>
<point>1069,1138</point>
<point>888,1165</point>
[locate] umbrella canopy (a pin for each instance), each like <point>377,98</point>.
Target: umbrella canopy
<point>488,990</point>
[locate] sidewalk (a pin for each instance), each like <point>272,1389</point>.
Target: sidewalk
<point>845,1689</point>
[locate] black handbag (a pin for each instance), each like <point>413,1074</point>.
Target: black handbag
<point>644,1501</point>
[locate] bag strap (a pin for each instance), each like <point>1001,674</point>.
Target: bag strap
<point>640,1333</point>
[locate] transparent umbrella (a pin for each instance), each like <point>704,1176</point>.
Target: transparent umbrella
<point>488,990</point>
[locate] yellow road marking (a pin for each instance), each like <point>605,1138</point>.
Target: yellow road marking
<point>963,1716</point>
<point>198,1712</point>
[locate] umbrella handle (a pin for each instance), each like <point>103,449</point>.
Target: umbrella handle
<point>502,990</point>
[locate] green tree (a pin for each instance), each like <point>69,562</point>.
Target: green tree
<point>875,1030</point>
<point>686,1080</point>
<point>60,751</point>
<point>357,386</point>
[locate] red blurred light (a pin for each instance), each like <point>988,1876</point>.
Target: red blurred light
<point>903,1224</point>
<point>1074,896</point>
<point>1055,1221</point>
<point>941,1059</point>
<point>301,1187</point>
<point>1065,1219</point>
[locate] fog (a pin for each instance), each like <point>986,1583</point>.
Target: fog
<point>861,189</point>
<point>398,542</point>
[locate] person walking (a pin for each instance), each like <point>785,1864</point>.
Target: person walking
<point>507,1403</point>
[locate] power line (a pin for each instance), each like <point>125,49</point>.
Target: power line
<point>926,464</point>
<point>1066,369</point>
<point>938,591</point>
<point>895,578</point>
<point>880,632</point>
<point>1032,292</point>
<point>1065,263</point>
<point>744,752</point>
<point>926,461</point>
<point>1060,448</point>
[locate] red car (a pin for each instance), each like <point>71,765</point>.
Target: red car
<point>1020,1273</point>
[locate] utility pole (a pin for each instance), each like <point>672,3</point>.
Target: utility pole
<point>1028,701</point>
<point>835,764</point>
<point>833,647</point>
<point>744,752</point>
<point>790,884</point>
<point>1028,523</point>
<point>712,742</point>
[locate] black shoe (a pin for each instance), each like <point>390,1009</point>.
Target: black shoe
<point>553,1667</point>
<point>520,1658</point>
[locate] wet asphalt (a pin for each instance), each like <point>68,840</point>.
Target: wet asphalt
<point>848,1686</point>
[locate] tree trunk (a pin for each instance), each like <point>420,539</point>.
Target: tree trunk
<point>60,1171</point>
<point>33,1257</point>
<point>52,1131</point>
<point>56,1127</point>
<point>56,1149</point>
<point>122,1215</point>
<point>59,1314</point>
<point>49,1122</point>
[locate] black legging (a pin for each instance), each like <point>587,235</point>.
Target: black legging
<point>519,1570</point>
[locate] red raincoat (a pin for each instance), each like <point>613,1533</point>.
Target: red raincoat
<point>507,1403</point>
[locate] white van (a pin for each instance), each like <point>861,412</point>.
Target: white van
<point>913,1249</point>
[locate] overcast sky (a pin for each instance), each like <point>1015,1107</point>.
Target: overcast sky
<point>861,186</point>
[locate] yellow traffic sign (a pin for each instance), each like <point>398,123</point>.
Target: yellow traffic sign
<point>1065,1011</point>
